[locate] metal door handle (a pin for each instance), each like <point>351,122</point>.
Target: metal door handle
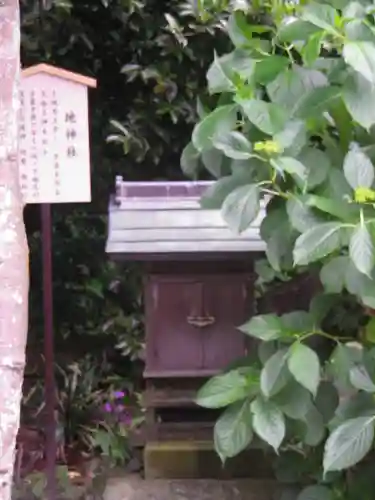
<point>200,321</point>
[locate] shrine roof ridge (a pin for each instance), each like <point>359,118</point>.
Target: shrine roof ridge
<point>59,73</point>
<point>160,189</point>
<point>164,218</point>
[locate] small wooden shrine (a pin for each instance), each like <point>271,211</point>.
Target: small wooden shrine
<point>198,287</point>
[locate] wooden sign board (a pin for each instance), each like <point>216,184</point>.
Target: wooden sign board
<point>54,151</point>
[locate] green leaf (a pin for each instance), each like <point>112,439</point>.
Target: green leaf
<point>190,160</point>
<point>316,102</point>
<point>298,322</point>
<point>221,120</point>
<point>340,118</point>
<point>296,30</point>
<point>213,160</point>
<point>246,167</point>
<point>354,9</point>
<point>201,109</point>
<point>293,400</point>
<point>227,72</point>
<point>241,207</point>
<point>314,427</point>
<point>361,57</point>
<point>267,69</point>
<point>266,350</point>
<point>292,86</point>
<point>358,169</point>
<point>338,185</point>
<point>327,400</point>
<point>304,365</point>
<point>214,196</point>
<point>223,390</point>
<point>264,271</point>
<point>370,331</point>
<point>357,93</point>
<point>293,137</point>
<point>333,274</point>
<point>360,405</point>
<point>367,296</point>
<point>321,15</point>
<point>268,117</point>
<point>234,145</point>
<point>265,327</point>
<point>333,67</point>
<point>349,444</point>
<point>357,282</point>
<point>338,208</point>
<point>274,375</point>
<point>317,164</point>
<point>268,422</point>
<point>368,361</point>
<point>279,249</point>
<point>218,78</point>
<point>361,380</point>
<point>233,430</point>
<point>102,440</point>
<point>311,51</point>
<point>321,305</point>
<point>238,66</point>
<point>240,31</point>
<point>274,219</point>
<point>300,215</point>
<point>361,249</point>
<point>343,358</point>
<point>356,30</point>
<point>316,492</point>
<point>277,232</point>
<point>291,166</point>
<point>317,242</point>
<point>38,486</point>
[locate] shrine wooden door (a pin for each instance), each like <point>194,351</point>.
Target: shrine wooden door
<point>191,323</point>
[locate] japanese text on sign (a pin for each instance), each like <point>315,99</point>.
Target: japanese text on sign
<point>54,143</point>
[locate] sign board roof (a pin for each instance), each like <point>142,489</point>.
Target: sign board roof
<point>159,218</point>
<point>59,73</point>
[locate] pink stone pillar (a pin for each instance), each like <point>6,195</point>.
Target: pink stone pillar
<point>14,280</point>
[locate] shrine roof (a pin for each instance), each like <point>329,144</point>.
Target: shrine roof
<point>163,218</point>
<point>60,73</point>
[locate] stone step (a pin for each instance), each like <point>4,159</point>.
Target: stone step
<point>198,460</point>
<point>135,488</point>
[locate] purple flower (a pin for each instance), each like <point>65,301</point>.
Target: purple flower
<point>108,407</point>
<point>126,418</point>
<point>118,394</point>
<point>119,408</point>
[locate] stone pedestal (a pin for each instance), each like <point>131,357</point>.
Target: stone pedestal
<point>198,460</point>
<point>134,488</point>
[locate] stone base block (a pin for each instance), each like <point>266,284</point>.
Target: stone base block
<point>162,489</point>
<point>198,460</point>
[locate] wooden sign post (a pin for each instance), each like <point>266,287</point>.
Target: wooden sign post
<point>54,168</point>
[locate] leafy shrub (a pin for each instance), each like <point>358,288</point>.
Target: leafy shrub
<point>293,126</point>
<point>95,411</point>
